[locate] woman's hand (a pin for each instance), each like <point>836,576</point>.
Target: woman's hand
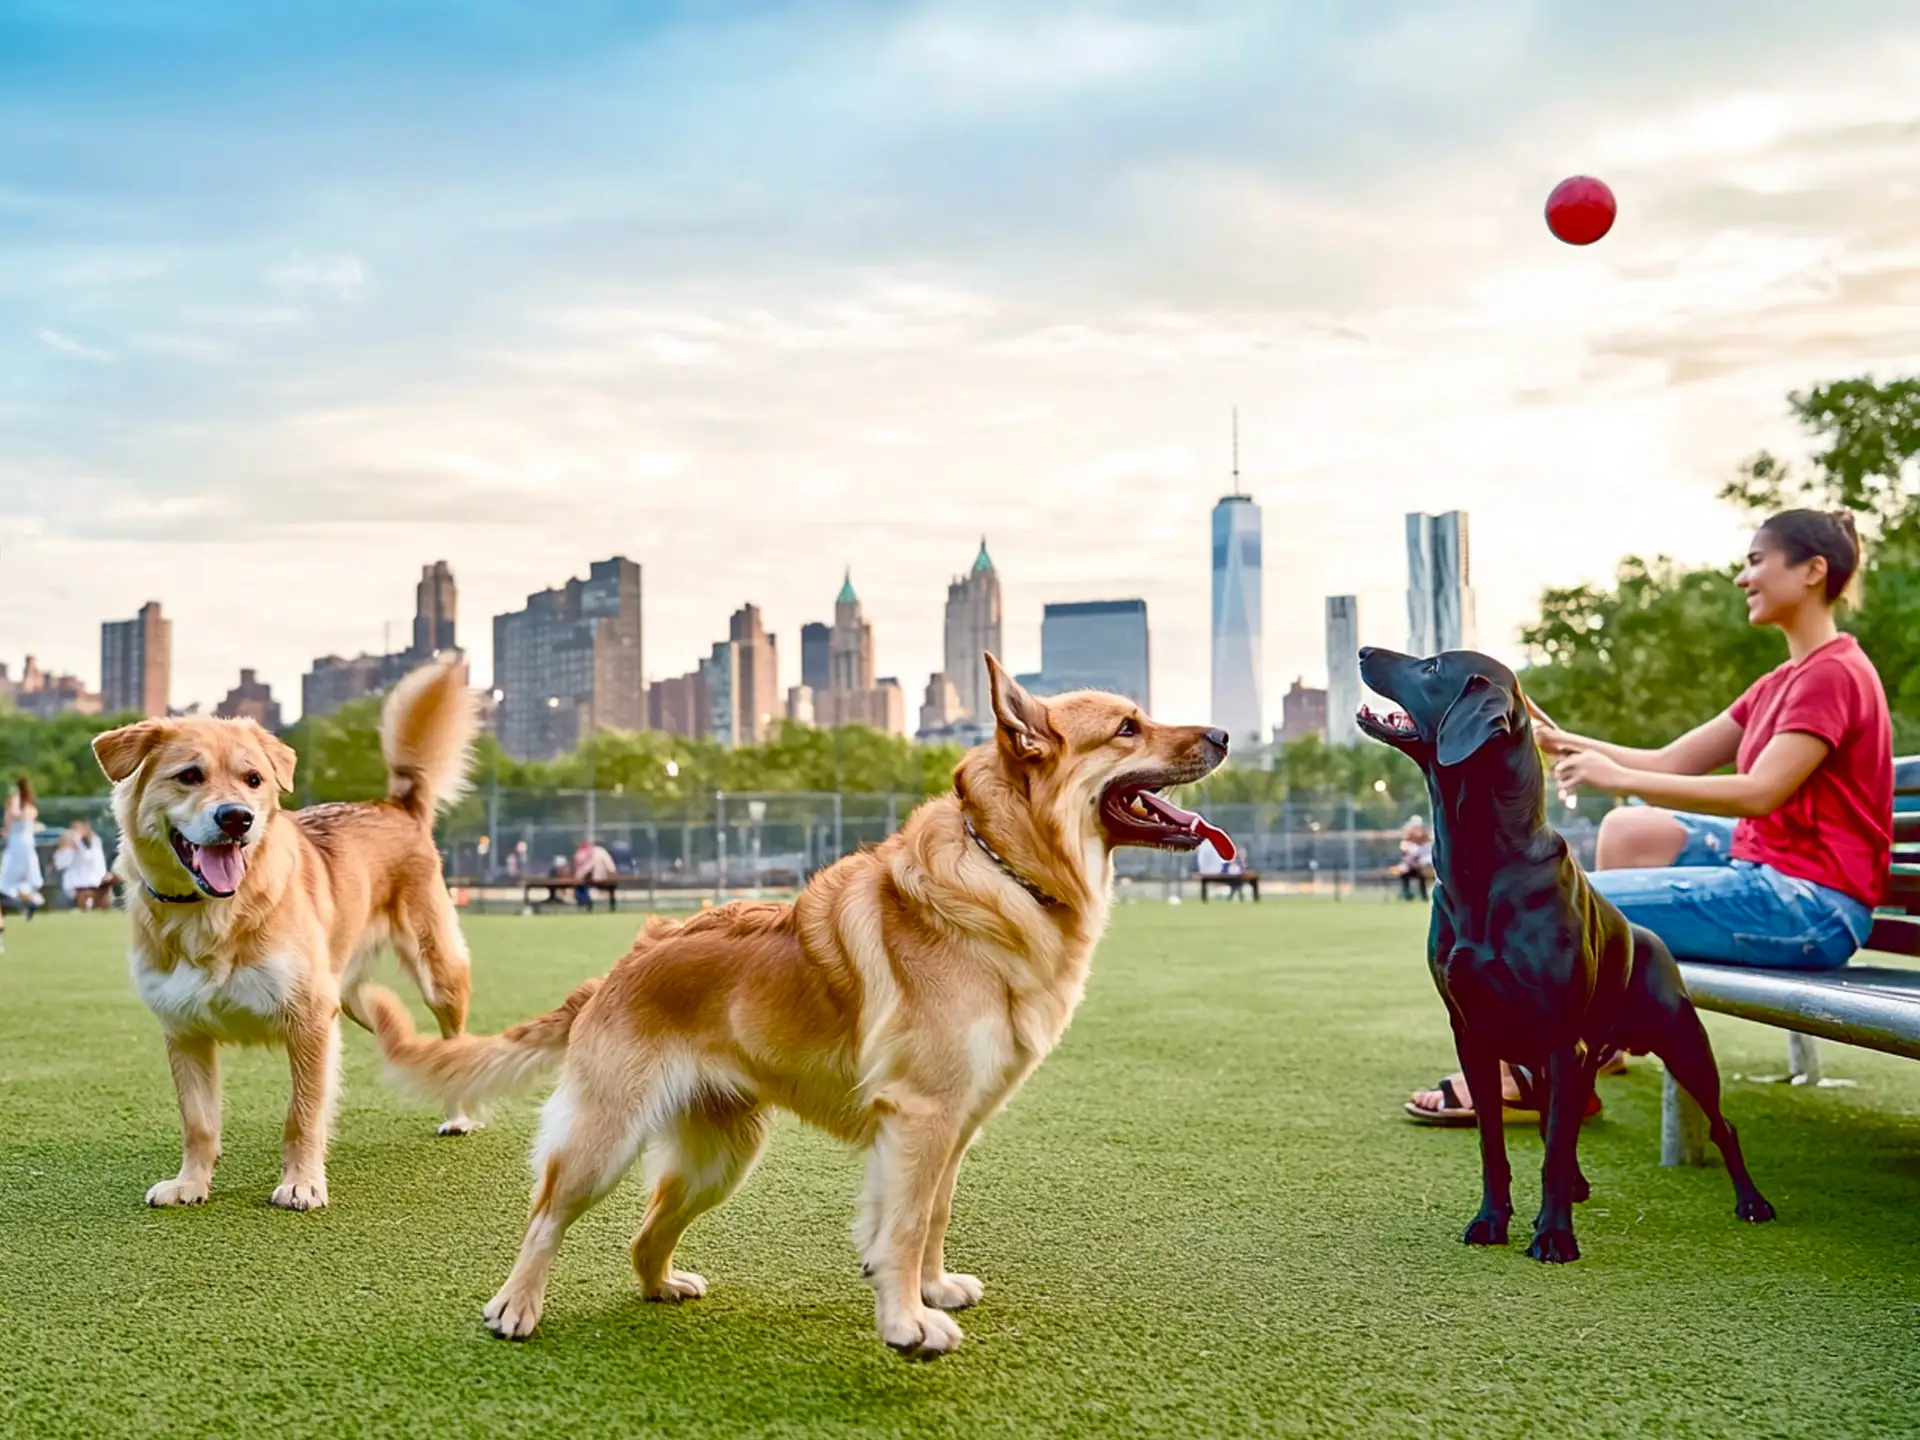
<point>1550,737</point>
<point>1592,770</point>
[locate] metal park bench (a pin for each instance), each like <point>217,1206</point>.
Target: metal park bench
<point>1873,1006</point>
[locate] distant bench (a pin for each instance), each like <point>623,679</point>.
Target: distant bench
<point>1872,1006</point>
<point>554,884</point>
<point>1232,884</point>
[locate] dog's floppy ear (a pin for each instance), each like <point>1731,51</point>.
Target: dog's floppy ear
<point>280,758</point>
<point>123,751</point>
<point>1024,729</point>
<point>1483,711</point>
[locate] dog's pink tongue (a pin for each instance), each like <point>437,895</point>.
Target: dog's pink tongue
<point>1187,820</point>
<point>221,866</point>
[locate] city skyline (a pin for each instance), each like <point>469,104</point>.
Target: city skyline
<point>451,309</point>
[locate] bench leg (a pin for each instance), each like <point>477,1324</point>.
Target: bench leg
<point>1803,1058</point>
<point>1683,1126</point>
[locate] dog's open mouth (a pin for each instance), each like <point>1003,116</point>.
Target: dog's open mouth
<point>1391,728</point>
<point>1136,813</point>
<point>216,869</point>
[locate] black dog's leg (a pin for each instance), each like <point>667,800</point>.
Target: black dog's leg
<point>1688,1056</point>
<point>1582,1191</point>
<point>1481,1067</point>
<point>1568,1080</point>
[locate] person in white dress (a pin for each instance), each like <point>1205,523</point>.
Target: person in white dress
<point>20,878</point>
<point>82,863</point>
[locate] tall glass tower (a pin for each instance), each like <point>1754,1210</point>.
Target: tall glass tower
<point>1239,677</point>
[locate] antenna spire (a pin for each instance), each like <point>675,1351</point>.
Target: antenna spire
<point>1236,450</point>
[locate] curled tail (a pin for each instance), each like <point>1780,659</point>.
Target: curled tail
<point>426,733</point>
<point>463,1072</point>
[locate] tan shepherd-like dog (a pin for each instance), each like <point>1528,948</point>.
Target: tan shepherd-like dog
<point>898,1003</point>
<point>249,921</point>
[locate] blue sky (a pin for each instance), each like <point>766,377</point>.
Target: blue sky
<point>296,298</point>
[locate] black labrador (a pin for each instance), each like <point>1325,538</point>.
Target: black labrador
<point>1536,968</point>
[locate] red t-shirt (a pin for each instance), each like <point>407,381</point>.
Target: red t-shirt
<point>1837,828</point>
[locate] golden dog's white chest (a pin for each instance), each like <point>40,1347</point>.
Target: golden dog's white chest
<point>242,1004</point>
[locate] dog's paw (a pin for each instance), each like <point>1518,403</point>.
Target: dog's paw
<point>1486,1229</point>
<point>1554,1247</point>
<point>300,1195</point>
<point>511,1315</point>
<point>457,1125</point>
<point>920,1332</point>
<point>1754,1209</point>
<point>952,1292</point>
<point>679,1285</point>
<point>179,1192</point>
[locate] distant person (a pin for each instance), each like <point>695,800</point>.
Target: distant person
<point>20,877</point>
<point>82,862</point>
<point>591,863</point>
<point>1415,866</point>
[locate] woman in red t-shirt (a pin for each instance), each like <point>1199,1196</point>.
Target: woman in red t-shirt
<point>1780,863</point>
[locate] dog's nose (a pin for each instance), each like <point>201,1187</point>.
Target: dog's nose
<point>234,821</point>
<point>1218,737</point>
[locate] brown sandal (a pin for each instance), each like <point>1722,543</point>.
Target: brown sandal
<point>1455,1114</point>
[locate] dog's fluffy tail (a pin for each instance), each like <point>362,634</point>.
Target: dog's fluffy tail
<point>464,1072</point>
<point>426,733</point>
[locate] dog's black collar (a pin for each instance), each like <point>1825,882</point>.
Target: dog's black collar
<point>193,899</point>
<point>1012,874</point>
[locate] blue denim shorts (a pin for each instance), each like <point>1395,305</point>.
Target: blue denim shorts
<point>1709,906</point>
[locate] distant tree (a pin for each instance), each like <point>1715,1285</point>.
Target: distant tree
<point>1650,657</point>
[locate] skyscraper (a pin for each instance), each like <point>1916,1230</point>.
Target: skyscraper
<point>1343,669</point>
<point>757,705</point>
<point>973,628</point>
<point>435,604</point>
<point>1239,671</point>
<point>1440,605</point>
<point>569,663</point>
<point>816,641</point>
<point>1097,645</point>
<point>720,678</point>
<point>853,696</point>
<point>850,646</point>
<point>136,662</point>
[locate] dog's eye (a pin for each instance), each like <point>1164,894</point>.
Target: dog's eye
<point>253,780</point>
<point>190,776</point>
<point>1128,726</point>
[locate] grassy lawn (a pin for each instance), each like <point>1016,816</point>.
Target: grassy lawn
<point>1203,1216</point>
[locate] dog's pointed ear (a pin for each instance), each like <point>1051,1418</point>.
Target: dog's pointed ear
<point>1025,732</point>
<point>1483,711</point>
<point>281,757</point>
<point>121,752</point>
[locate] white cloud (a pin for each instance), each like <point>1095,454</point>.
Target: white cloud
<point>342,276</point>
<point>67,345</point>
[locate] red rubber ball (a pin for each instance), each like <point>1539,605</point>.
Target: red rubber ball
<point>1580,210</point>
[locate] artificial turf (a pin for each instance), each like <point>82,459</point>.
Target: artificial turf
<point>1203,1216</point>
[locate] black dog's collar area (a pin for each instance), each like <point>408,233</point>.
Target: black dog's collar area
<point>1012,874</point>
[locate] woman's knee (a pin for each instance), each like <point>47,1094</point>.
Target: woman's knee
<point>1638,837</point>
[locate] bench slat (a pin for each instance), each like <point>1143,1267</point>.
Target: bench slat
<point>1874,1007</point>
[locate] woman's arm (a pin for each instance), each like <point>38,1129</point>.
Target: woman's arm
<point>1777,772</point>
<point>1700,751</point>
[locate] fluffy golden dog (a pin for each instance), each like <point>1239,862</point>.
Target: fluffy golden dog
<point>897,1003</point>
<point>249,920</point>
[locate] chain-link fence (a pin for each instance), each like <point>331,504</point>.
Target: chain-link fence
<point>500,840</point>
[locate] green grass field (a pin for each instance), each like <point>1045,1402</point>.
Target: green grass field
<point>1203,1216</point>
